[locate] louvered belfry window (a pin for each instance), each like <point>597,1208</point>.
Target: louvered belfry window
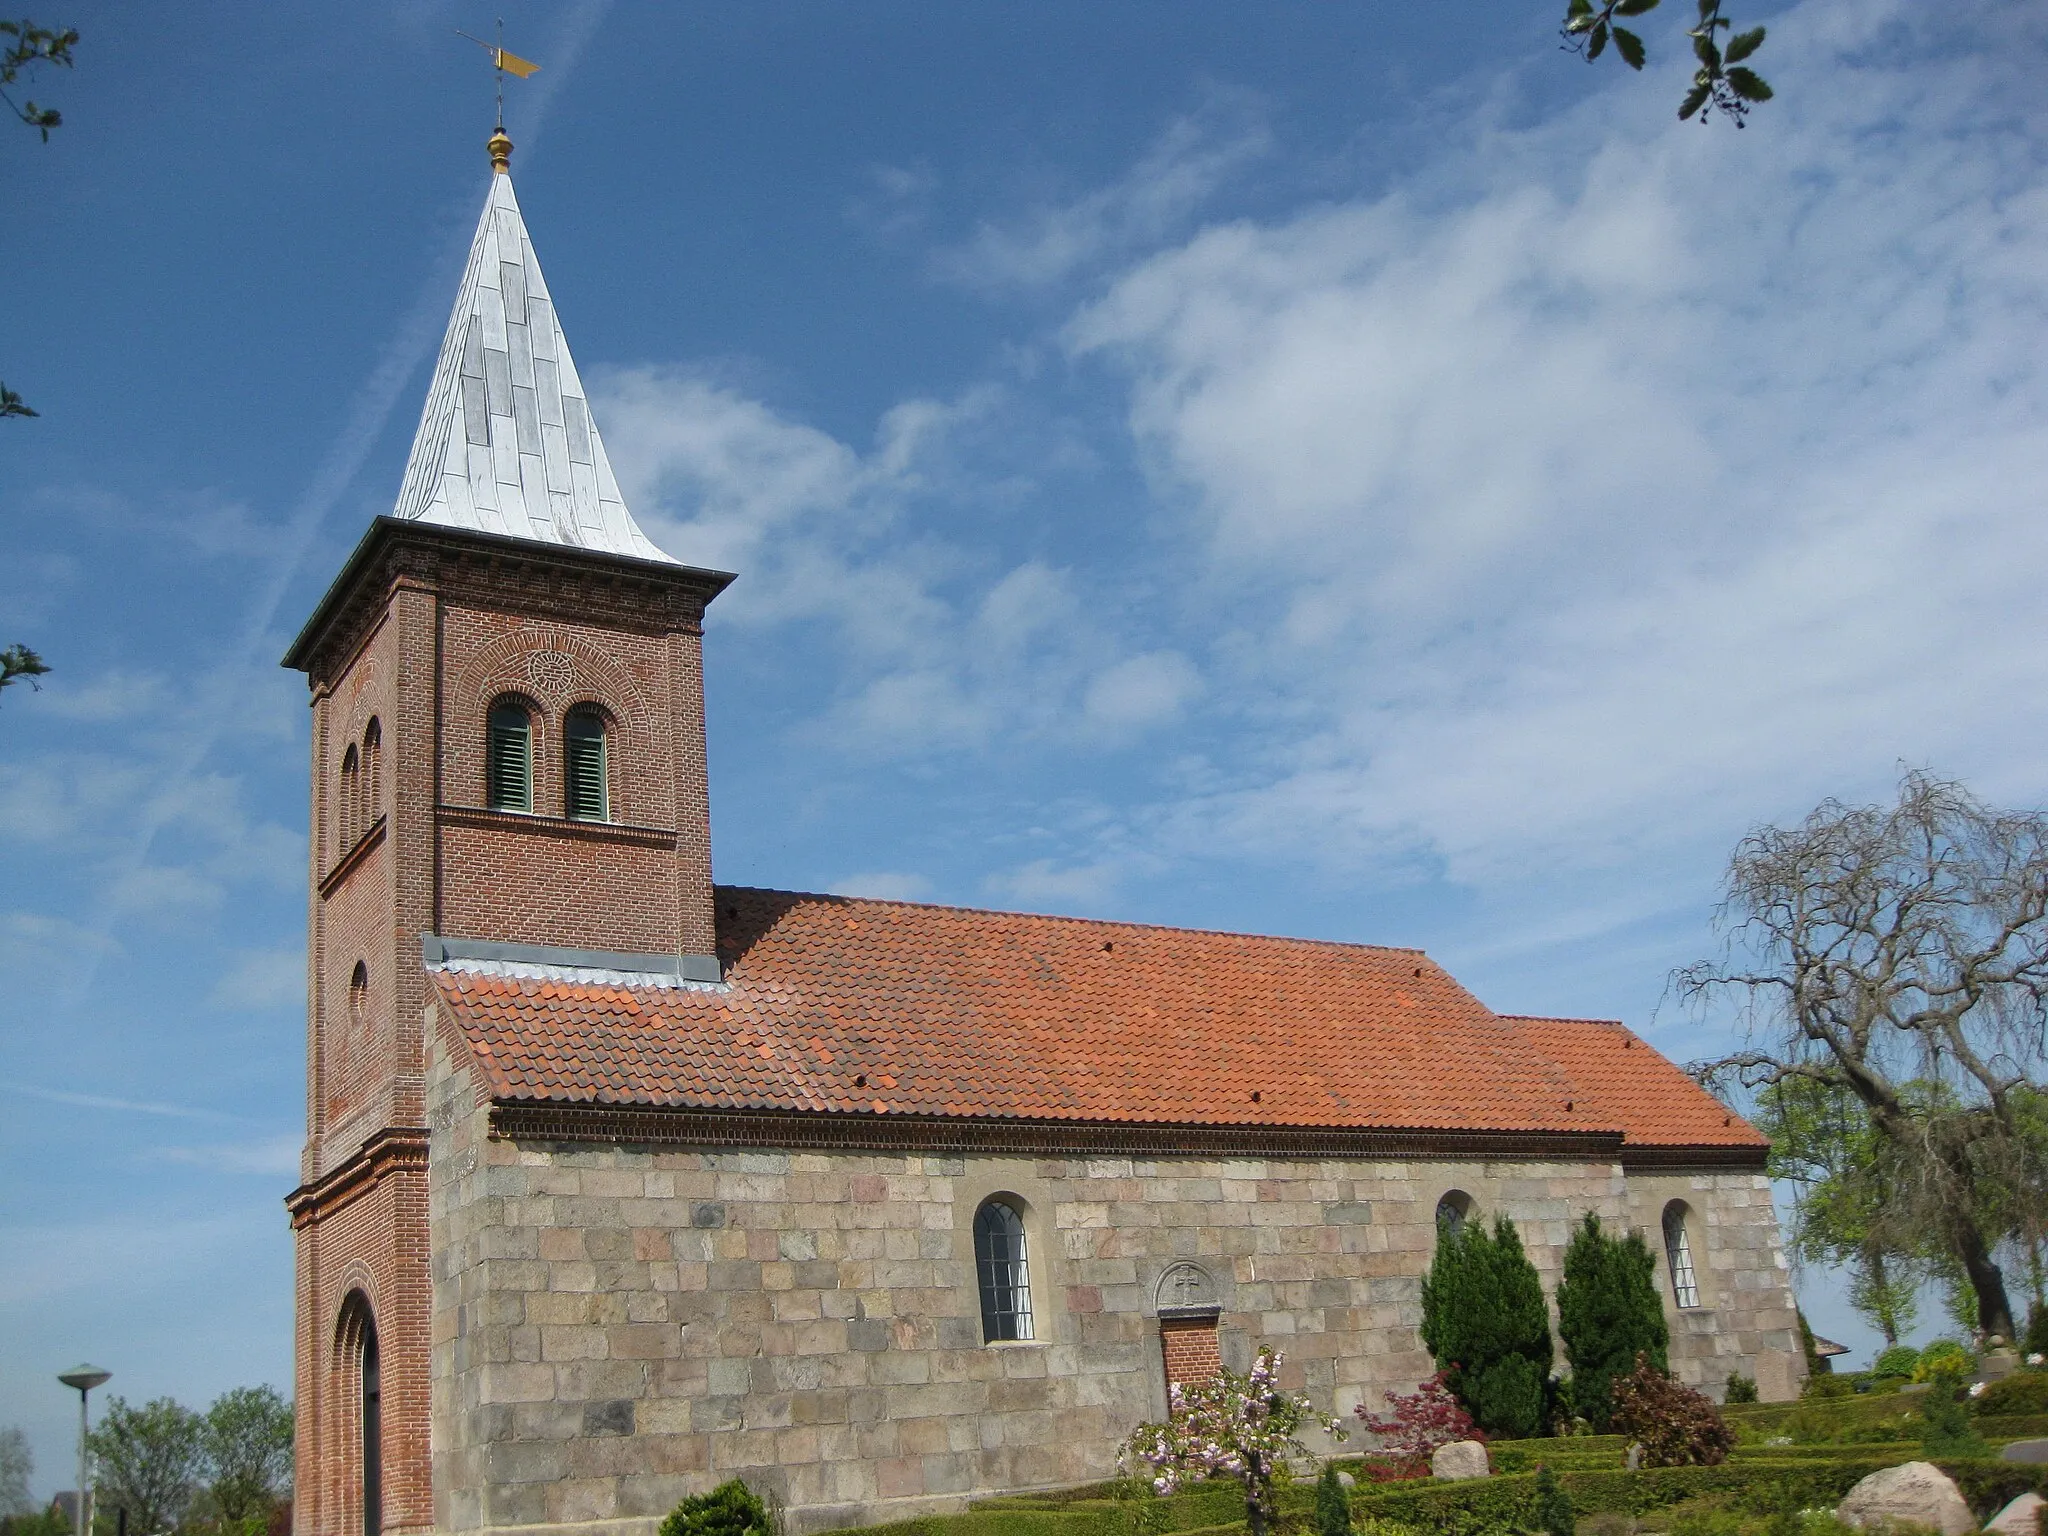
<point>1000,1266</point>
<point>585,768</point>
<point>508,776</point>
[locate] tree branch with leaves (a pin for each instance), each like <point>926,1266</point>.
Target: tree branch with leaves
<point>1722,81</point>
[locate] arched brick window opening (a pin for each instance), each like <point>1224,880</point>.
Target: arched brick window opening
<point>351,787</point>
<point>1002,1268</point>
<point>362,1380</point>
<point>508,768</point>
<point>359,996</point>
<point>586,765</point>
<point>1685,1286</point>
<point>373,763</point>
<point>1453,1211</point>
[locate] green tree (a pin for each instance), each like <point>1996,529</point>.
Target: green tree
<point>247,1436</point>
<point>151,1460</point>
<point>18,664</point>
<point>1333,1504</point>
<point>1722,79</point>
<point>17,1465</point>
<point>1900,954</point>
<point>1608,1312</point>
<point>1484,1321</point>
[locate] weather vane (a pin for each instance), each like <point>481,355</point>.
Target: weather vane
<point>502,61</point>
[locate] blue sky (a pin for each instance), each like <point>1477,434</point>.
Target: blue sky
<point>1318,468</point>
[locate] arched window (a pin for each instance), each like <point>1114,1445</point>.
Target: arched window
<point>359,995</point>
<point>508,775</point>
<point>357,1348</point>
<point>1000,1265</point>
<point>1452,1212</point>
<point>585,766</point>
<point>373,758</point>
<point>1685,1288</point>
<point>351,787</point>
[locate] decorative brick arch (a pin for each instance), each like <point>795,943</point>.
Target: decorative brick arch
<point>359,700</point>
<point>355,1406</point>
<point>554,670</point>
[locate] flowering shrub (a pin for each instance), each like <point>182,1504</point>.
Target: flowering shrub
<point>1422,1420</point>
<point>1230,1426</point>
<point>1676,1426</point>
<point>1944,1358</point>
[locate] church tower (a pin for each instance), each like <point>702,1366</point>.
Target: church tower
<point>508,765</point>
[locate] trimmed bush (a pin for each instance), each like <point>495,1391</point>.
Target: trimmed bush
<point>2021,1392</point>
<point>1608,1312</point>
<point>730,1509</point>
<point>1741,1389</point>
<point>1484,1321</point>
<point>1898,1361</point>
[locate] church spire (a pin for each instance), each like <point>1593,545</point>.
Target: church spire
<point>506,443</point>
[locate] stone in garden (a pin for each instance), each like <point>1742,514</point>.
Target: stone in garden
<point>2033,1452</point>
<point>2022,1517</point>
<point>1919,1493</point>
<point>1460,1459</point>
<point>1346,1480</point>
<point>1996,1364</point>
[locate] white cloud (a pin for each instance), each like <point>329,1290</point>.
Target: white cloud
<point>1147,690</point>
<point>1053,884</point>
<point>263,979</point>
<point>1194,157</point>
<point>1607,488</point>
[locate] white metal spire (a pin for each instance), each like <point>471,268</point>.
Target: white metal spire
<point>506,443</point>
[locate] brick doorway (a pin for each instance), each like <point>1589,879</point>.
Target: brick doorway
<point>1189,1348</point>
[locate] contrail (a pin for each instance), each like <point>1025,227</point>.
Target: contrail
<point>369,415</point>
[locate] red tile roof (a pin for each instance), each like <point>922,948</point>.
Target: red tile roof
<point>847,1005</point>
<point>1620,1076</point>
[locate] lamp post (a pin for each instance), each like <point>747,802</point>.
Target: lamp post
<point>84,1378</point>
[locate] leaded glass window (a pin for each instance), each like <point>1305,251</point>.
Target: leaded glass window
<point>1001,1266</point>
<point>1685,1289</point>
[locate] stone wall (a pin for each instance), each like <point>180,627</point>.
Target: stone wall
<point>616,1327</point>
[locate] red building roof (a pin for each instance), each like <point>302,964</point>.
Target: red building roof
<point>859,1007</point>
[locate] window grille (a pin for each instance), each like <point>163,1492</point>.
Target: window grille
<point>1000,1265</point>
<point>584,767</point>
<point>1685,1288</point>
<point>509,773</point>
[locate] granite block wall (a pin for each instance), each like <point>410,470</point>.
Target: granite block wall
<point>615,1327</point>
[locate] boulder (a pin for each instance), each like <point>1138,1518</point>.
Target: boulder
<point>1919,1493</point>
<point>1459,1459</point>
<point>2022,1517</point>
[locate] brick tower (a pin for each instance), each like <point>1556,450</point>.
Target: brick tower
<point>507,765</point>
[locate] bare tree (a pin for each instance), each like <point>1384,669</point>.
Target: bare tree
<point>1900,953</point>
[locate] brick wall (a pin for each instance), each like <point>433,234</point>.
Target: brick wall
<point>428,628</point>
<point>1190,1349</point>
<point>616,1327</point>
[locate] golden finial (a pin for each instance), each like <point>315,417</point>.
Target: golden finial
<point>501,152</point>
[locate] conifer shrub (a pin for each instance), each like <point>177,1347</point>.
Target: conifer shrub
<point>1551,1512</point>
<point>730,1509</point>
<point>1608,1312</point>
<point>2035,1340</point>
<point>1484,1320</point>
<point>1741,1389</point>
<point>1817,1364</point>
<point>1333,1504</point>
<point>1676,1426</point>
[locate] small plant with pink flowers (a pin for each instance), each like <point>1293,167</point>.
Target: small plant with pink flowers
<point>1229,1426</point>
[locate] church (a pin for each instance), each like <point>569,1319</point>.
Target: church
<point>619,1182</point>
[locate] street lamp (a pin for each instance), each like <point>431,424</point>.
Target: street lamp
<point>84,1378</point>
